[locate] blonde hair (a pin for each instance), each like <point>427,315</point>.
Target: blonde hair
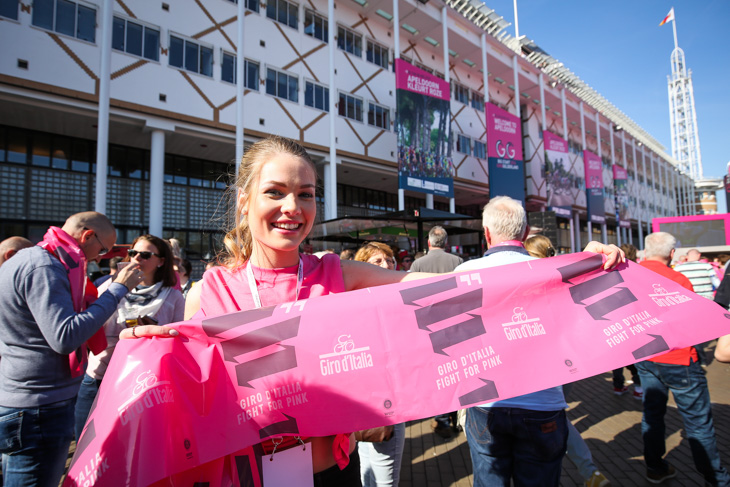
<point>372,248</point>
<point>539,246</point>
<point>238,242</point>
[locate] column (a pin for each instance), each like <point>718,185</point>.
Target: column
<point>396,55</point>
<point>102,124</point>
<point>447,77</point>
<point>589,222</point>
<point>575,244</point>
<point>330,169</point>
<point>240,83</point>
<point>157,181</point>
<point>613,181</point>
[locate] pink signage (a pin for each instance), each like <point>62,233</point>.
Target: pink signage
<point>594,170</point>
<point>554,143</point>
<point>503,133</point>
<point>411,78</point>
<point>185,408</point>
<point>619,172</point>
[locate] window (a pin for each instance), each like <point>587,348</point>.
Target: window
<point>461,93</point>
<point>316,26</point>
<point>65,17</point>
<point>136,39</point>
<point>9,9</point>
<point>378,116</point>
<point>477,100</point>
<point>480,149</point>
<point>250,71</point>
<point>284,12</point>
<point>282,85</point>
<point>250,4</point>
<point>191,56</point>
<point>317,96</point>
<point>377,54</point>
<point>463,144</point>
<point>349,41</point>
<point>350,107</point>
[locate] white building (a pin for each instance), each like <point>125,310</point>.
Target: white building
<point>172,115</point>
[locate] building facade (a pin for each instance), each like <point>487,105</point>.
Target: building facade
<point>321,73</point>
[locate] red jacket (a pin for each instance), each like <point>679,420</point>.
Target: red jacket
<point>683,355</point>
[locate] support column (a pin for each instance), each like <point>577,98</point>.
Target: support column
<point>102,124</point>
<point>157,181</point>
<point>613,182</point>
<point>396,55</point>
<point>447,77</point>
<point>240,82</point>
<point>653,182</point>
<point>637,191</point>
<point>575,241</point>
<point>604,231</point>
<point>330,170</point>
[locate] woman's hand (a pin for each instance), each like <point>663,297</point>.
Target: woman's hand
<point>148,331</point>
<point>614,255</point>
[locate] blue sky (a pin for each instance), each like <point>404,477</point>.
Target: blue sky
<point>619,49</point>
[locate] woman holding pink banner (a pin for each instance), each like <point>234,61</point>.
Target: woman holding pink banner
<point>274,212</point>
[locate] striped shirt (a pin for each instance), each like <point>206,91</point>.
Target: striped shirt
<point>702,276</point>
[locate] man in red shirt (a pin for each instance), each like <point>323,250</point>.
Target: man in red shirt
<point>678,371</point>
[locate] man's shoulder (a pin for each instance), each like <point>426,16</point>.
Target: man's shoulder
<point>667,272</point>
<point>28,260</point>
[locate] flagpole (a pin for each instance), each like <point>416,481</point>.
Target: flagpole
<point>674,28</point>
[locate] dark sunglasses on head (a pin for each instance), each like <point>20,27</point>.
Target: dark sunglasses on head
<point>145,255</point>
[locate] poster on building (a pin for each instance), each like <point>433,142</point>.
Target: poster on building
<point>560,181</point>
<point>594,187</point>
<point>423,125</point>
<point>621,193</point>
<point>504,142</point>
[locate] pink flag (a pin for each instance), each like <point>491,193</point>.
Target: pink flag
<point>186,408</point>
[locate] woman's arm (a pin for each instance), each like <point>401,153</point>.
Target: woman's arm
<point>360,275</point>
<point>192,301</point>
<point>722,351</point>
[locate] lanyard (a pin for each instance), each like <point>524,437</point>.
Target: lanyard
<point>255,291</point>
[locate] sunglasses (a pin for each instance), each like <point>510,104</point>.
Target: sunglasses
<point>145,255</point>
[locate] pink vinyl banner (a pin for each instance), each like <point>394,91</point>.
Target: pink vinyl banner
<point>177,411</point>
<point>411,78</point>
<point>594,170</point>
<point>504,134</point>
<point>619,172</point>
<point>554,143</point>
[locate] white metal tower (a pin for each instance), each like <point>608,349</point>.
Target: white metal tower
<point>682,116</point>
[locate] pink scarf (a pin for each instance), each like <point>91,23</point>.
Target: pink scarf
<point>65,248</point>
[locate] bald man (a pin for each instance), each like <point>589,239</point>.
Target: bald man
<point>45,316</point>
<point>10,246</point>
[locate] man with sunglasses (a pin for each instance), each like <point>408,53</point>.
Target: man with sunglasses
<point>48,312</point>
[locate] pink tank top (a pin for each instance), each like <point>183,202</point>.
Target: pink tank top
<point>227,291</point>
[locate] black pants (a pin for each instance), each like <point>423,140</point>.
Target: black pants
<point>334,477</point>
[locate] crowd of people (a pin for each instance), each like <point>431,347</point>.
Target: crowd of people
<point>58,332</point>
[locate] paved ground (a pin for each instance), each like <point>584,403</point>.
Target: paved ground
<point>610,425</point>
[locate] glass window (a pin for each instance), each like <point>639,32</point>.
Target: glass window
<point>377,54</point>
<point>283,12</point>
<point>349,41</point>
<point>461,93</point>
<point>477,101</point>
<point>480,149</point>
<point>176,52</point>
<point>134,39</point>
<point>463,144</point>
<point>41,153</point>
<point>118,27</point>
<point>191,55</point>
<point>282,85</point>
<point>9,9</point>
<point>251,69</point>
<point>228,68</point>
<point>350,107</point>
<point>86,26</point>
<point>378,116</point>
<point>316,26</point>
<point>116,161</point>
<point>151,44</point>
<point>252,5</point>
<point>317,96</point>
<point>43,13</point>
<point>17,146</point>
<point>2,144</point>
<point>65,17</point>
<point>82,155</point>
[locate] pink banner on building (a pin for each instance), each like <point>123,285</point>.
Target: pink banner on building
<point>561,182</point>
<point>503,133</point>
<point>619,172</point>
<point>184,408</point>
<point>554,143</point>
<point>411,78</point>
<point>594,170</point>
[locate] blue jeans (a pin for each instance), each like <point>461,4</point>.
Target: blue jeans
<point>84,401</point>
<point>689,388</point>
<point>380,462</point>
<point>520,444</point>
<point>34,443</point>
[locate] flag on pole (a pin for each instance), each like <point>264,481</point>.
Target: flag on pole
<point>668,18</point>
